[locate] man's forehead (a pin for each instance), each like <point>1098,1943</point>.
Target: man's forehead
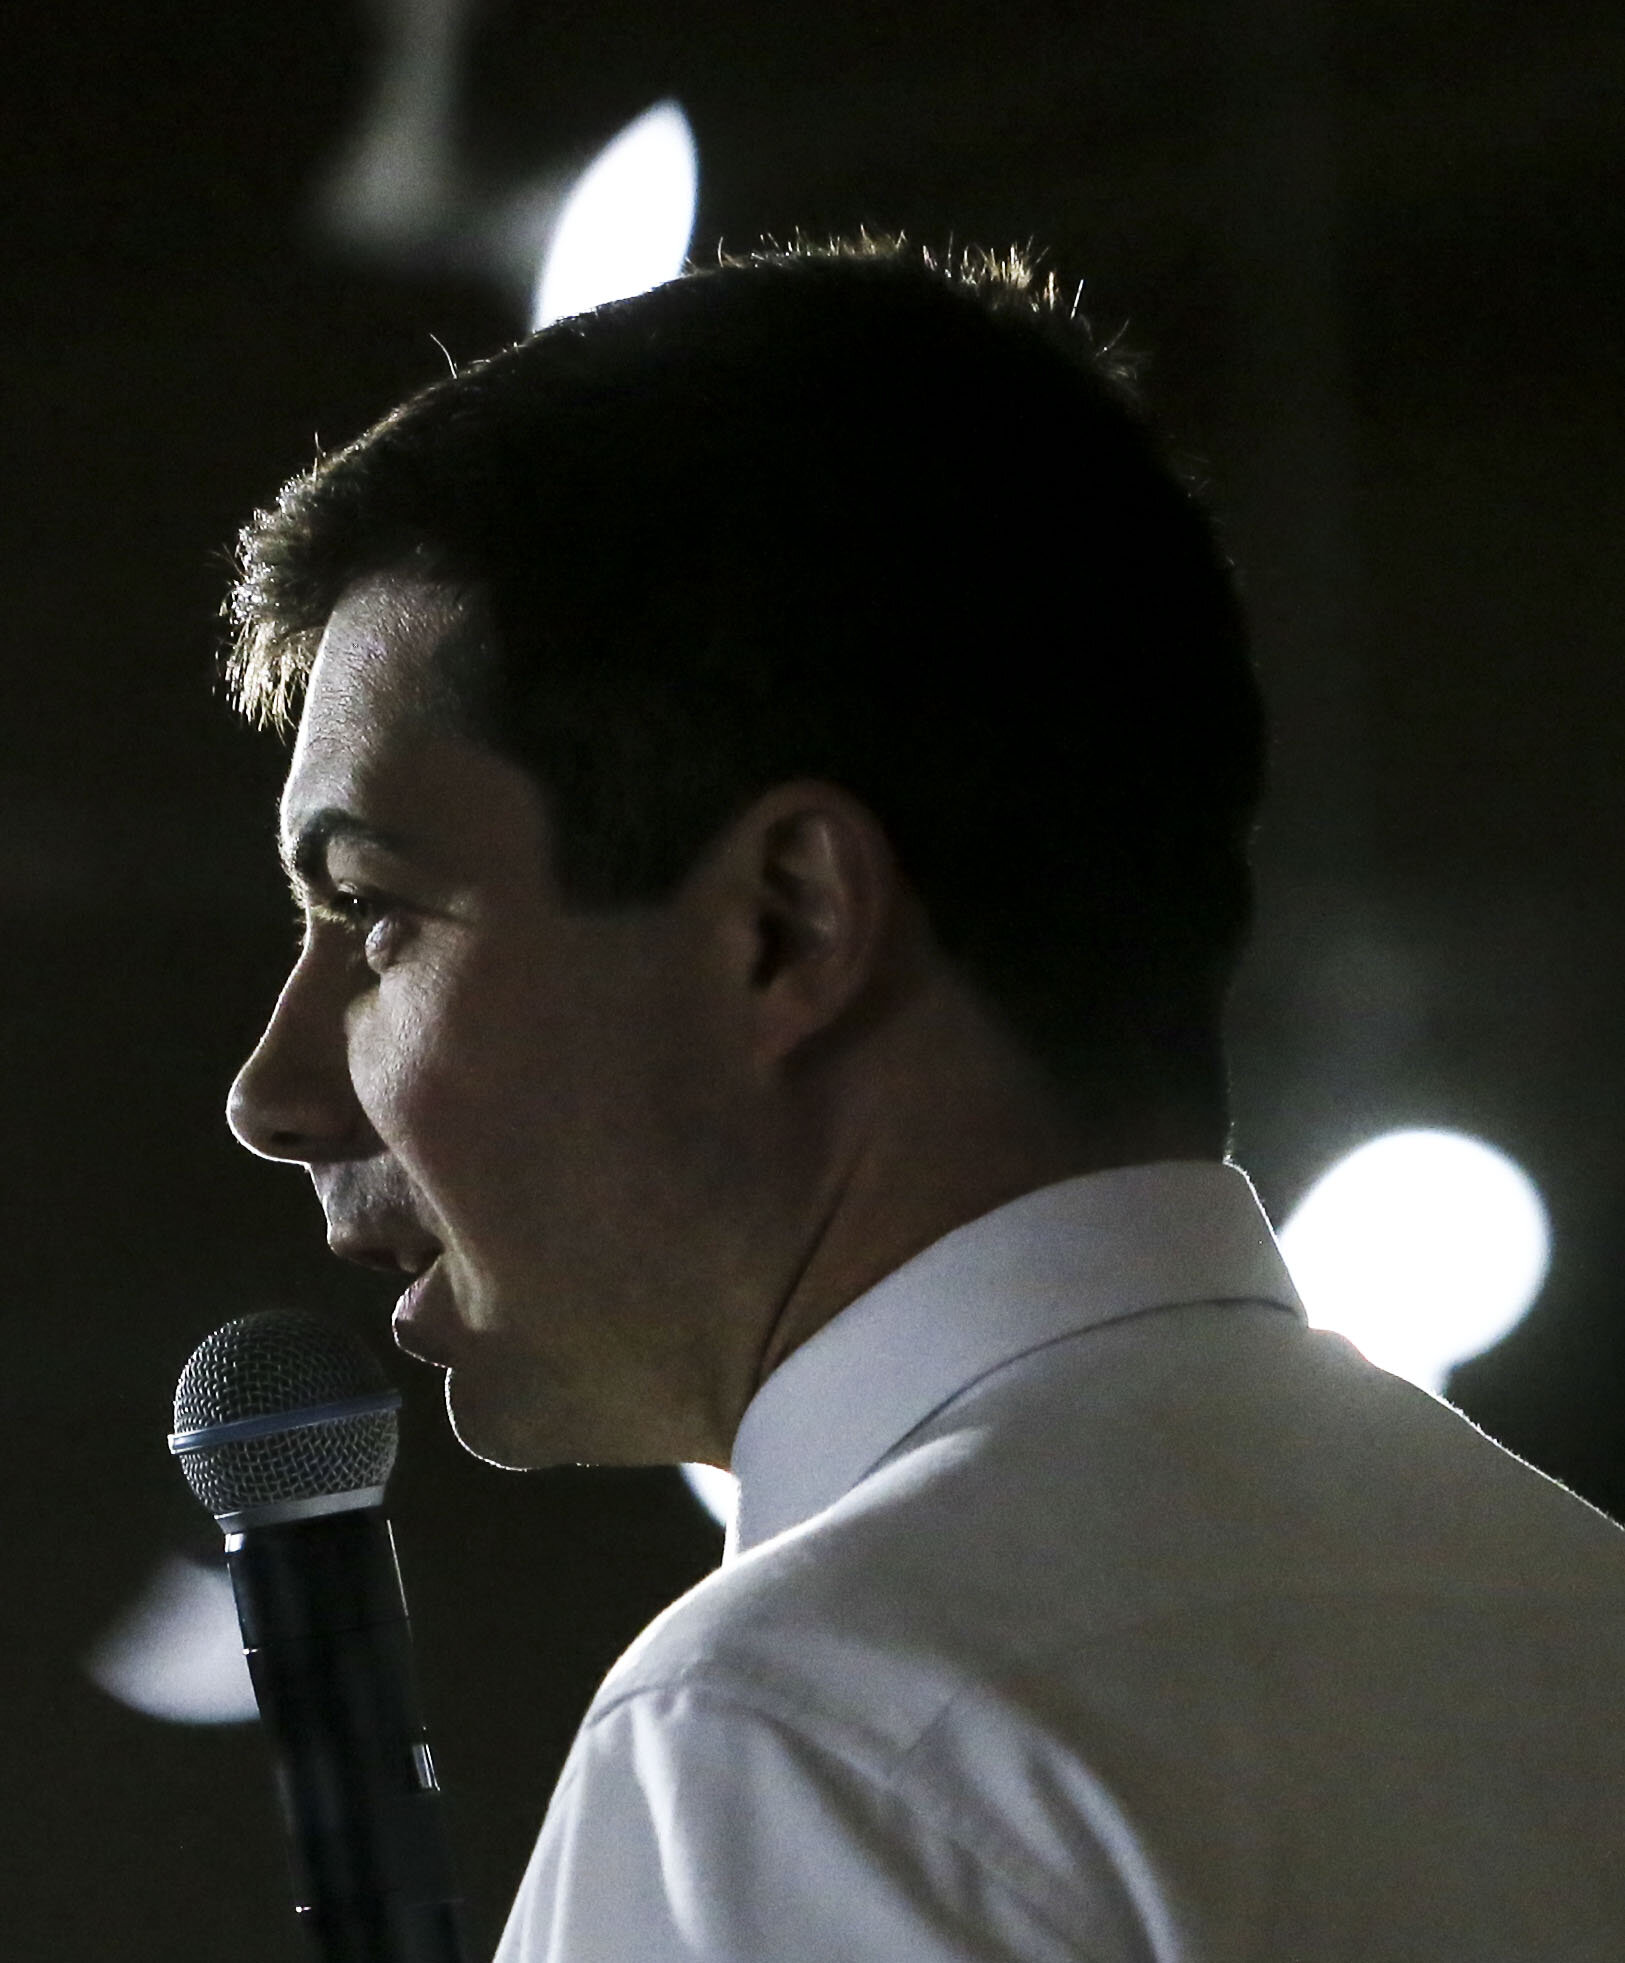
<point>381,641</point>
<point>372,704</point>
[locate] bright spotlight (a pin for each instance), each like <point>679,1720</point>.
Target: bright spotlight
<point>1422,1247</point>
<point>177,1652</point>
<point>627,221</point>
<point>717,1491</point>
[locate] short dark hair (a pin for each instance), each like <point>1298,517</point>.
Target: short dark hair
<point>855,514</point>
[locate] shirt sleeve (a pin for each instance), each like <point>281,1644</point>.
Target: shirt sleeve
<point>690,1825</point>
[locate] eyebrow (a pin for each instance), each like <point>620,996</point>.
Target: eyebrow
<point>304,856</point>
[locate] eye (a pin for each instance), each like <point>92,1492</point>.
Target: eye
<point>375,922</point>
<point>385,935</point>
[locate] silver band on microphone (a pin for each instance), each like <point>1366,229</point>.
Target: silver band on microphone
<point>268,1424</point>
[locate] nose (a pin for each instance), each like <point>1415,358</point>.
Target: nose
<point>293,1099</point>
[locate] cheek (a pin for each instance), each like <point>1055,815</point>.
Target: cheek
<point>425,1064</point>
<point>493,1092</point>
<point>526,1096</point>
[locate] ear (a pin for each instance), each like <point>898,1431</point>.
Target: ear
<point>818,914</point>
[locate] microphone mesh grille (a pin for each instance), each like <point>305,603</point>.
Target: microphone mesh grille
<point>282,1360</point>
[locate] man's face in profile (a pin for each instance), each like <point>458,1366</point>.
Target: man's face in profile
<point>542,1114</point>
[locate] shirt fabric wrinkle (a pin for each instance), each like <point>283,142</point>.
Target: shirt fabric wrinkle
<point>1085,1606</point>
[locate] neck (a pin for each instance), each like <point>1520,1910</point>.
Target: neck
<point>947,1119</point>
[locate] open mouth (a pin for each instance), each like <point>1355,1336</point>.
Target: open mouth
<point>393,1250</point>
<point>413,1332</point>
<point>418,1264</point>
<point>396,1245</point>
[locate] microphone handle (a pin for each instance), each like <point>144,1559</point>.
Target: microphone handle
<point>329,1649</point>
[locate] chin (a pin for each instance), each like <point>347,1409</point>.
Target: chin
<point>512,1417</point>
<point>498,1435</point>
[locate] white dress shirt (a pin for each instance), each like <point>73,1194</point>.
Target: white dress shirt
<point>1084,1604</point>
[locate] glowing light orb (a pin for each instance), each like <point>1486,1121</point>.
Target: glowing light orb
<point>627,221</point>
<point>717,1491</point>
<point>1422,1248</point>
<point>176,1652</point>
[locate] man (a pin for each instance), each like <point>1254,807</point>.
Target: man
<point>770,806</point>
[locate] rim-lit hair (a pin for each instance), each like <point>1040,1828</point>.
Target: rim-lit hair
<point>849,512</point>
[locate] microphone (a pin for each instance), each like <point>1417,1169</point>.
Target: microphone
<point>286,1428</point>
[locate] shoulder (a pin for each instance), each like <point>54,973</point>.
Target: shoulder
<point>1130,1603</point>
<point>1203,1462</point>
<point>836,1622</point>
<point>811,1730</point>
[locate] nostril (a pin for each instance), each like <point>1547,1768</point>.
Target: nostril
<point>256,1129</point>
<point>268,1135</point>
<point>292,1098</point>
<point>284,1106</point>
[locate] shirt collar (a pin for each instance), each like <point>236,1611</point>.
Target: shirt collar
<point>1050,1264</point>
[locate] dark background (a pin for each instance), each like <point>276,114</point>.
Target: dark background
<point>1374,250</point>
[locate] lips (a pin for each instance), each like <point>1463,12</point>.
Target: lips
<point>398,1246</point>
<point>415,1326</point>
<point>395,1247</point>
